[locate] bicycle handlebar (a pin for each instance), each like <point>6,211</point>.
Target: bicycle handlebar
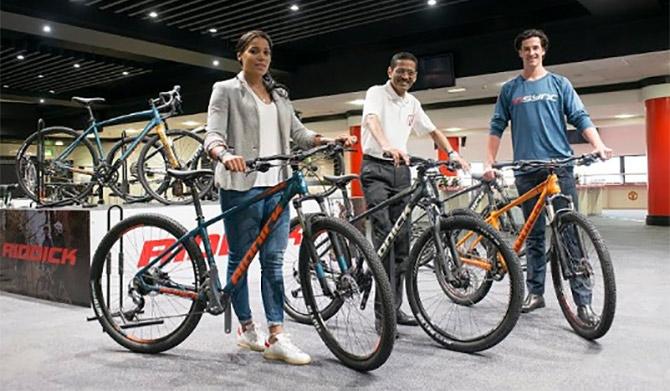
<point>169,99</point>
<point>582,160</point>
<point>263,164</point>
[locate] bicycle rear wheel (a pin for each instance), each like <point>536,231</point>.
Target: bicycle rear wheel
<point>480,306</point>
<point>361,333</point>
<point>154,163</point>
<point>294,300</point>
<point>70,177</point>
<point>140,319</point>
<point>587,256</point>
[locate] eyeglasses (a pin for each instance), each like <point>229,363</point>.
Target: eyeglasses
<point>404,71</point>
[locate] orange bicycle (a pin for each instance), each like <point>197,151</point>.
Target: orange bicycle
<point>581,267</point>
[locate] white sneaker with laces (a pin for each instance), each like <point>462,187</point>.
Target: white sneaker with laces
<point>251,338</point>
<point>283,349</point>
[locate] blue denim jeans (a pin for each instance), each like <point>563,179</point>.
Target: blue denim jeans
<point>535,242</point>
<point>242,228</point>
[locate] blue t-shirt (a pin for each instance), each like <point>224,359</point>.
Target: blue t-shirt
<point>538,110</point>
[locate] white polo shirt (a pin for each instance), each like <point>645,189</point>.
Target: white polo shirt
<point>397,115</point>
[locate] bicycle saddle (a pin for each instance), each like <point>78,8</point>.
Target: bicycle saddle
<point>87,101</point>
<point>189,175</point>
<point>340,180</point>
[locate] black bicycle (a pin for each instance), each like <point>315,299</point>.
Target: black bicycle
<point>466,300</point>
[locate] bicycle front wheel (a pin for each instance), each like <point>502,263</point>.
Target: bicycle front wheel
<point>157,311</point>
<point>68,177</point>
<point>467,298</point>
<point>588,278</point>
<point>361,333</point>
<point>155,160</point>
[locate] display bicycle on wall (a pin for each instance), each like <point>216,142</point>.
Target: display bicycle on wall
<point>150,301</point>
<point>577,253</point>
<point>72,172</point>
<point>442,282</point>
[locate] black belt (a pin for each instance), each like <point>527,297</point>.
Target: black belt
<point>375,159</point>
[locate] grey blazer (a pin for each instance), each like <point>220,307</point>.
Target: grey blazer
<point>232,121</point>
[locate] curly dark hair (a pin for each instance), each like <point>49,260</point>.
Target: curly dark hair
<point>530,33</point>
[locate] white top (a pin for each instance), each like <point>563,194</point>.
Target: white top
<point>270,137</point>
<point>398,115</point>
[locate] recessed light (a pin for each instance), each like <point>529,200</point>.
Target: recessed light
<point>41,100</point>
<point>213,30</point>
<point>52,91</point>
<point>357,102</point>
<point>131,131</point>
<point>294,7</point>
<point>40,76</point>
<point>215,63</point>
<point>625,116</point>
<point>5,85</point>
<point>153,14</point>
<point>59,143</point>
<point>46,28</point>
<point>125,73</point>
<point>453,129</point>
<point>20,57</point>
<point>190,123</point>
<point>432,2</point>
<point>455,90</point>
<point>76,66</point>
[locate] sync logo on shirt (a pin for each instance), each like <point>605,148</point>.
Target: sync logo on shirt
<point>534,98</point>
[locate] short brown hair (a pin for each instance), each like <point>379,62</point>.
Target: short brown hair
<point>530,33</point>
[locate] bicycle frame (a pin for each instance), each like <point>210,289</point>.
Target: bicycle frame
<point>155,121</point>
<point>293,186</point>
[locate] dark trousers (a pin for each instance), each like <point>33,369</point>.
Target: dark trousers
<point>535,242</point>
<point>382,181</point>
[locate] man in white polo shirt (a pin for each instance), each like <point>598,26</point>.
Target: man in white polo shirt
<point>390,113</point>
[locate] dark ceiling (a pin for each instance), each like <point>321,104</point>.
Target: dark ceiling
<point>126,55</point>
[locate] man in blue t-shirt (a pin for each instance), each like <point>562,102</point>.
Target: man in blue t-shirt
<point>538,103</point>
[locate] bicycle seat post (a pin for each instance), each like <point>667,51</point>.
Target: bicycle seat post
<point>196,201</point>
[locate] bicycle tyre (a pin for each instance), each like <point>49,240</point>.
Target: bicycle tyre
<point>430,321</point>
<point>608,281</point>
<point>153,162</point>
<point>115,185</point>
<point>294,302</point>
<point>77,191</point>
<point>108,317</point>
<point>381,333</point>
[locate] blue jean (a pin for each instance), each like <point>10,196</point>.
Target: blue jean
<point>535,242</point>
<point>242,228</point>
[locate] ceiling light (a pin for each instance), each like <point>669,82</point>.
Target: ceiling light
<point>625,116</point>
<point>76,65</point>
<point>52,91</point>
<point>190,123</point>
<point>213,30</point>
<point>294,7</point>
<point>357,102</point>
<point>215,63</point>
<point>453,129</point>
<point>125,73</point>
<point>455,90</point>
<point>41,100</point>
<point>432,2</point>
<point>59,143</point>
<point>40,76</point>
<point>131,131</point>
<point>20,57</point>
<point>46,28</point>
<point>153,14</point>
<point>5,85</point>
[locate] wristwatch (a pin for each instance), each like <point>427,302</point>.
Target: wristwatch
<point>452,154</point>
<point>219,156</point>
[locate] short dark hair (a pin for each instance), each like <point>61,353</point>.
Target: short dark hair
<point>403,56</point>
<point>530,33</point>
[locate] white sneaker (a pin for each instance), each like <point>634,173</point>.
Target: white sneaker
<point>283,349</point>
<point>251,338</point>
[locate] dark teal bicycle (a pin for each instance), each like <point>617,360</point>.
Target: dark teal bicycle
<point>59,163</point>
<point>151,280</point>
